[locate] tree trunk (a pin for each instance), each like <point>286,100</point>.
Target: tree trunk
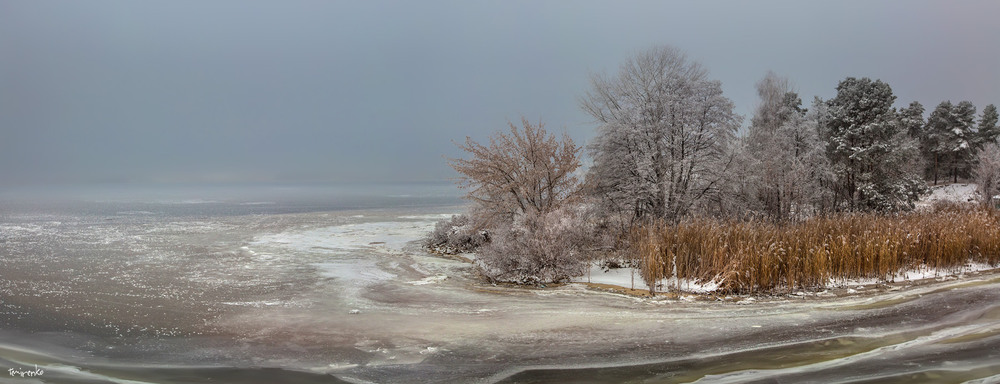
<point>935,169</point>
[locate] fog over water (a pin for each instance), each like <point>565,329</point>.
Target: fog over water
<point>234,199</point>
<point>338,91</point>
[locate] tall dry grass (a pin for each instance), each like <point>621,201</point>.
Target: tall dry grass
<point>763,257</point>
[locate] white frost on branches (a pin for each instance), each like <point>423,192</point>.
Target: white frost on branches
<point>662,141</point>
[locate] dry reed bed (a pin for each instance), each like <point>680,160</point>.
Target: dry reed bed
<point>761,257</point>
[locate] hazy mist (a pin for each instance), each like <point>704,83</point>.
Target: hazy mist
<point>321,91</point>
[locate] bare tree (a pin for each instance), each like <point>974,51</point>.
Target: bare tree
<point>785,156</point>
<point>523,184</point>
<point>524,171</point>
<point>777,103</point>
<point>661,143</point>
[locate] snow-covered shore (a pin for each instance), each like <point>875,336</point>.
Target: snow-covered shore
<point>956,193</point>
<point>630,278</point>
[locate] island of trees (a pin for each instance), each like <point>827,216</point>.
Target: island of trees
<point>804,196</point>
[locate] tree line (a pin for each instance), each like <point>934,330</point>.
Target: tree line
<point>669,147</point>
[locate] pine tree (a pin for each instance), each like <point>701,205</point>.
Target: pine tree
<point>936,142</point>
<point>951,140</point>
<point>964,140</point>
<point>988,129</point>
<point>912,119</point>
<point>871,155</point>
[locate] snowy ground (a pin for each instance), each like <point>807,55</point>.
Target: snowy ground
<point>630,278</point>
<point>960,193</point>
<point>621,277</point>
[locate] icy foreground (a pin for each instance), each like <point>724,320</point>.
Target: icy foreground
<point>321,297</point>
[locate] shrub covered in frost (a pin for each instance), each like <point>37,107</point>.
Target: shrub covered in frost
<point>456,235</point>
<point>537,248</point>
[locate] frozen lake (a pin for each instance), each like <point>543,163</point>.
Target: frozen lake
<point>328,285</point>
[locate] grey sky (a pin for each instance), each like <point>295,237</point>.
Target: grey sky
<point>191,91</point>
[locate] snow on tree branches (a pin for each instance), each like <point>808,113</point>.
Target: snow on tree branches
<point>667,151</point>
<point>786,167</point>
<point>872,157</point>
<point>663,134</point>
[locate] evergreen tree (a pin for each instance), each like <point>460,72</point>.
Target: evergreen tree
<point>871,155</point>
<point>965,140</point>
<point>951,140</point>
<point>912,119</point>
<point>936,141</point>
<point>988,129</point>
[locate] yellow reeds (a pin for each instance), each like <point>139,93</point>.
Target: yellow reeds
<point>749,257</point>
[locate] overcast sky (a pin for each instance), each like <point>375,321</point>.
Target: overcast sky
<point>291,91</point>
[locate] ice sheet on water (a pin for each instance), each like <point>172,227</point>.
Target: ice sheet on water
<point>135,213</point>
<point>353,253</point>
<point>430,280</point>
<point>438,216</point>
<point>357,271</point>
<point>622,277</point>
<point>21,229</point>
<point>392,235</point>
<point>630,278</point>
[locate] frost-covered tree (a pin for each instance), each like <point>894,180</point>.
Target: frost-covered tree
<point>777,103</point>
<point>522,185</point>
<point>456,235</point>
<point>524,171</point>
<point>784,154</point>
<point>663,135</point>
<point>987,174</point>
<point>988,128</point>
<point>871,155</point>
